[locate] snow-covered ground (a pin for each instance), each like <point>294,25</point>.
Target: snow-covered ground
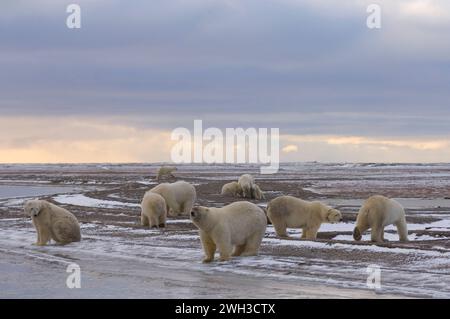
<point>113,263</point>
<point>120,259</point>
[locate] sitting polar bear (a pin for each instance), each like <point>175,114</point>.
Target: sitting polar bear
<point>240,224</point>
<point>232,189</point>
<point>290,212</point>
<point>378,212</point>
<point>247,183</point>
<point>52,222</point>
<point>179,196</point>
<point>165,171</point>
<point>153,210</point>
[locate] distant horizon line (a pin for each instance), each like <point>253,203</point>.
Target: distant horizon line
<point>185,164</point>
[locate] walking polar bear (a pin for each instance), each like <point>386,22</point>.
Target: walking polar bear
<point>153,210</point>
<point>378,212</point>
<point>179,196</point>
<point>231,189</point>
<point>246,182</point>
<point>52,222</point>
<point>241,225</point>
<point>290,212</point>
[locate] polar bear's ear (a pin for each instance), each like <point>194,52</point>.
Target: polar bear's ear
<point>330,215</point>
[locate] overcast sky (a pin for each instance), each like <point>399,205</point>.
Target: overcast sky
<point>114,89</point>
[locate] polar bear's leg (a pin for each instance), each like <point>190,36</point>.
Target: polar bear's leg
<point>154,222</point>
<point>280,227</point>
<point>162,221</point>
<point>376,233</point>
<point>311,232</point>
<point>253,244</point>
<point>223,242</point>
<point>187,207</point>
<point>245,192</point>
<point>303,233</point>
<point>225,251</point>
<point>177,209</point>
<point>38,231</point>
<point>402,229</point>
<point>208,246</point>
<point>144,220</point>
<point>44,236</point>
<point>238,250</point>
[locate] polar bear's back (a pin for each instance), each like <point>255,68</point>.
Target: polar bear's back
<point>166,170</point>
<point>246,179</point>
<point>242,219</point>
<point>65,227</point>
<point>58,211</point>
<point>178,192</point>
<point>153,201</point>
<point>183,190</point>
<point>232,189</point>
<point>386,209</point>
<point>291,209</point>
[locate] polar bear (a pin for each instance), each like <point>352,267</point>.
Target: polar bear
<point>153,210</point>
<point>246,182</point>
<point>241,225</point>
<point>179,196</point>
<point>378,212</point>
<point>232,189</point>
<point>165,171</point>
<point>257,193</point>
<point>52,222</point>
<point>288,211</point>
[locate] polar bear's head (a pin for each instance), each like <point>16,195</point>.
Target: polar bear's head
<point>334,216</point>
<point>199,216</point>
<point>33,207</point>
<point>357,234</point>
<point>197,213</point>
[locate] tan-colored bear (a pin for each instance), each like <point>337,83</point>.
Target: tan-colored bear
<point>52,222</point>
<point>241,225</point>
<point>246,181</point>
<point>165,171</point>
<point>378,212</point>
<point>179,196</point>
<point>232,189</point>
<point>257,193</point>
<point>153,210</point>
<point>290,212</point>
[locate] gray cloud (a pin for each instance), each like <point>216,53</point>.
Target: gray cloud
<point>287,64</point>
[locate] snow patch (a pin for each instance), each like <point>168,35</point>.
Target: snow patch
<point>82,200</point>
